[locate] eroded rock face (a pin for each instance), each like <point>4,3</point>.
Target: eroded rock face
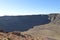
<point>55,18</point>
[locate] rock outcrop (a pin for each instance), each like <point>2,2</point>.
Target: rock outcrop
<point>55,18</point>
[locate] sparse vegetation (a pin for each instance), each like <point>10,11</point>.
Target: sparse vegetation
<point>8,38</point>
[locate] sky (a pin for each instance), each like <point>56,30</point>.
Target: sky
<point>29,7</point>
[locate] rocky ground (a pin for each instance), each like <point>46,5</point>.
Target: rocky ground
<point>15,36</point>
<point>22,36</point>
<point>46,32</point>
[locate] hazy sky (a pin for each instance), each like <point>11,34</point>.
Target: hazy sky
<point>28,7</point>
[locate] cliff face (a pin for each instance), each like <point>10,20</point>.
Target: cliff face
<point>55,18</point>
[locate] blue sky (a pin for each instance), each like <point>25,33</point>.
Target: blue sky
<point>29,7</point>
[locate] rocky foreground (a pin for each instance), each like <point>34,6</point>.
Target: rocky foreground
<point>18,36</point>
<point>15,36</point>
